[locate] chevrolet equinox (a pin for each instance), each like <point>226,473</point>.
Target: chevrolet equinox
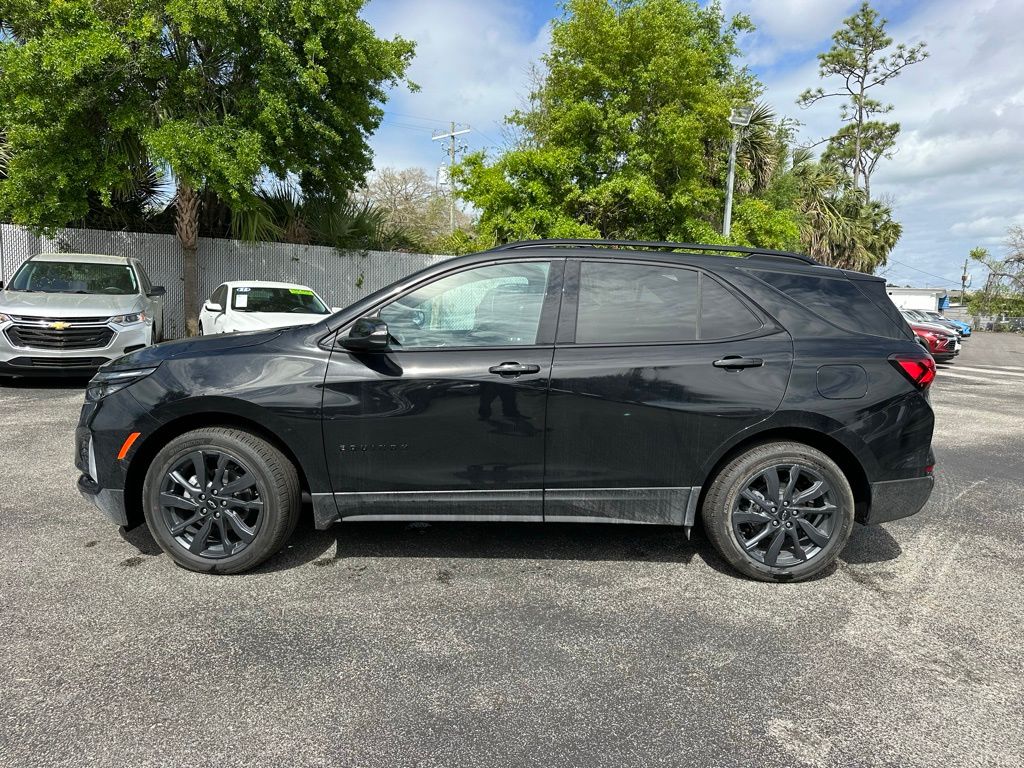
<point>779,400</point>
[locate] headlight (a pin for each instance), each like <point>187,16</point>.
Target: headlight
<point>4,318</point>
<point>108,382</point>
<point>135,317</point>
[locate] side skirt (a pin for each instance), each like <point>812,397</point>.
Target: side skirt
<point>637,506</point>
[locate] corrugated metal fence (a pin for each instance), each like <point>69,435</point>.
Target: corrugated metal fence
<point>341,277</point>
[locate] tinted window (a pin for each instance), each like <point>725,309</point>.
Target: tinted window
<point>286,300</point>
<point>494,306</point>
<point>722,315</point>
<point>837,300</point>
<point>629,303</point>
<point>147,285</point>
<point>74,277</point>
<point>220,296</point>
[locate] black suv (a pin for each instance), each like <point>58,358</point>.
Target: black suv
<point>568,381</point>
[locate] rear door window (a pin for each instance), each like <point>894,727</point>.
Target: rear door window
<point>722,315</point>
<point>636,303</point>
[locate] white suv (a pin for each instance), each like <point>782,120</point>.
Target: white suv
<point>69,313</point>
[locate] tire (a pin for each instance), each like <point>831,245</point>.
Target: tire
<point>775,537</point>
<point>256,519</point>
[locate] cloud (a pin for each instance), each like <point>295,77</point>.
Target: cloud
<point>956,181</point>
<point>957,178</point>
<point>472,60</point>
<point>787,26</point>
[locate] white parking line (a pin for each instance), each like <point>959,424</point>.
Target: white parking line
<point>999,367</point>
<point>993,371</point>
<point>950,375</point>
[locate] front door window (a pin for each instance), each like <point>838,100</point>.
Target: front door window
<point>494,306</point>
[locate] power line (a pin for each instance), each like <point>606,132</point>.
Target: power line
<point>923,272</point>
<point>485,136</point>
<point>415,117</point>
<point>406,126</point>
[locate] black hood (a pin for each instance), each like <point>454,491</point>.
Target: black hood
<point>194,347</point>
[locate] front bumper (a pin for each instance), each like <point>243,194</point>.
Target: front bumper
<point>895,499</point>
<point>28,360</point>
<point>109,501</point>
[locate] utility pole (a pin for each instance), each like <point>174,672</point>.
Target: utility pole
<point>452,150</point>
<point>963,284</point>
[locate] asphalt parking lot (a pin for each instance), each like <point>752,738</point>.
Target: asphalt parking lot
<point>520,645</point>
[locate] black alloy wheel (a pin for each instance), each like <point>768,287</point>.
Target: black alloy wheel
<point>221,499</point>
<point>779,511</point>
<point>785,515</point>
<point>211,503</point>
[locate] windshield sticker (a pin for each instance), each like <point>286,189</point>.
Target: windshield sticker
<point>242,290</point>
<point>300,291</point>
<point>241,299</point>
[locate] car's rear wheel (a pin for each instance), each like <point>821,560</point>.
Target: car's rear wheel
<point>221,499</point>
<point>779,511</point>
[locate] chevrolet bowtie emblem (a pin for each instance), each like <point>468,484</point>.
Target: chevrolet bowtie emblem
<point>58,326</point>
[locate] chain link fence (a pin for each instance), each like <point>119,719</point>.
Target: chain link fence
<point>341,277</point>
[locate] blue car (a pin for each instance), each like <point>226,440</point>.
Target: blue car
<point>964,329</point>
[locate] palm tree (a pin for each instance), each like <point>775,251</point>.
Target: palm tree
<point>839,227</point>
<point>761,150</point>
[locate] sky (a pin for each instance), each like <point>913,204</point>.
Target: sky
<point>955,182</point>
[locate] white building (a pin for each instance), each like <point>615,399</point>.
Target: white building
<point>916,298</point>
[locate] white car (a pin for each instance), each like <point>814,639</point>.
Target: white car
<point>258,305</point>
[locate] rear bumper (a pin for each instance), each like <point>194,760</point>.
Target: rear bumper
<point>107,500</point>
<point>895,499</point>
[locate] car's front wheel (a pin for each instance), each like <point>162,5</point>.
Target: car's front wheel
<point>779,511</point>
<point>221,499</point>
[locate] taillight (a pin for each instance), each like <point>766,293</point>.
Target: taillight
<point>919,370</point>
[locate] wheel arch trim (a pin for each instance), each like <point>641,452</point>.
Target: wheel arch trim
<point>199,414</point>
<point>826,436</point>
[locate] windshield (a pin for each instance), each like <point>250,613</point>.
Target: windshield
<point>74,277</point>
<point>291,300</point>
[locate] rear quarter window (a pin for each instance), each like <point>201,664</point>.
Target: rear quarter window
<point>837,300</point>
<point>722,315</point>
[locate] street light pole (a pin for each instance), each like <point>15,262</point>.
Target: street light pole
<point>727,223</point>
<point>739,119</point>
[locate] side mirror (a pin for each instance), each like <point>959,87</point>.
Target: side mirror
<point>213,307</point>
<point>156,291</point>
<point>369,334</point>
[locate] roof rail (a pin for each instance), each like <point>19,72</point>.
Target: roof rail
<point>661,246</point>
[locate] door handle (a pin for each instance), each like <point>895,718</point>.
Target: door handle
<point>514,369</point>
<point>736,362</point>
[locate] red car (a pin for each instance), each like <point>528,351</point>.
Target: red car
<point>943,346</point>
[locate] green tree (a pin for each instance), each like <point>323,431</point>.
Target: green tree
<point>860,61</point>
<point>219,94</point>
<point>626,132</point>
<point>1004,286</point>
